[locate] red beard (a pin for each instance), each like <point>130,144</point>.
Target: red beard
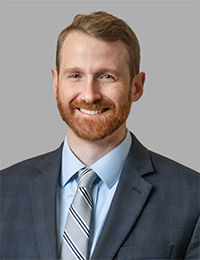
<point>97,127</point>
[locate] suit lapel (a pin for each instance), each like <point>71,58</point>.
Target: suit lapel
<point>43,192</point>
<point>130,198</point>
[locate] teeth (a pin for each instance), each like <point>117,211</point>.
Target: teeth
<point>89,112</point>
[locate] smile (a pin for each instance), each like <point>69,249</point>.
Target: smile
<point>91,112</point>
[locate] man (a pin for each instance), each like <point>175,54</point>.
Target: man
<point>142,205</point>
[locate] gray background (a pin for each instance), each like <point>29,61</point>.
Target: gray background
<point>165,120</point>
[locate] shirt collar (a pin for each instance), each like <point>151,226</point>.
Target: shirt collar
<point>108,168</point>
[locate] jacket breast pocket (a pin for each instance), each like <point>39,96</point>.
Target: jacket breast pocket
<point>156,252</point>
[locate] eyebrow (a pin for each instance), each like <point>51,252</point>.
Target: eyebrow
<point>108,70</point>
<point>68,70</point>
<point>100,71</point>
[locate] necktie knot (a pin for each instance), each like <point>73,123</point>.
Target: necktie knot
<point>86,177</point>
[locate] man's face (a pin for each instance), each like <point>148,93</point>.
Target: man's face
<point>93,89</point>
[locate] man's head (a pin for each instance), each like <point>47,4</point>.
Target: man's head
<point>108,28</point>
<point>94,84</point>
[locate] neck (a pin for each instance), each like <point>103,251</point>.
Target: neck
<point>88,152</point>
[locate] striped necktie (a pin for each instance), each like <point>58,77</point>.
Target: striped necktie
<point>77,228</point>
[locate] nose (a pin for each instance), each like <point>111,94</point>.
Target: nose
<point>90,92</point>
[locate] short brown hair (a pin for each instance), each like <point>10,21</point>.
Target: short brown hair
<point>107,27</point>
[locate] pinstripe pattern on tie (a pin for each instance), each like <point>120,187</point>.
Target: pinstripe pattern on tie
<point>77,228</point>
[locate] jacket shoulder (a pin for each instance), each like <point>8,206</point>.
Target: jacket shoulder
<point>29,165</point>
<point>163,163</point>
<point>171,176</point>
<point>150,161</point>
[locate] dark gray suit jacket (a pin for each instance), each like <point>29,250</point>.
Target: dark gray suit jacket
<point>154,213</point>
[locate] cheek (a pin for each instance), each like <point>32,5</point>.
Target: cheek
<point>120,97</point>
<point>118,92</point>
<point>111,93</point>
<point>67,95</point>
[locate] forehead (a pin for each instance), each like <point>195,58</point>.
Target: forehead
<point>79,45</point>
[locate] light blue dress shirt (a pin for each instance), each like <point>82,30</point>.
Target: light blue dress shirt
<point>108,169</point>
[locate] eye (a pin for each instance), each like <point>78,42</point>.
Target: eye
<point>75,76</point>
<point>107,77</point>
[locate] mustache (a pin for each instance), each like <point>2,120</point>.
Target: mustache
<point>96,105</point>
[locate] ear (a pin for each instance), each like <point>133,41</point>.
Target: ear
<point>55,81</point>
<point>137,86</point>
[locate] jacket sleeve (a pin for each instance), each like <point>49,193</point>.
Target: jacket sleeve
<point>193,249</point>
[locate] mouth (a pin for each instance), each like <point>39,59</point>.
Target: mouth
<point>92,112</point>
